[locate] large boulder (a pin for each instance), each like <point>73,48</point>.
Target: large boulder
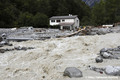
<point>72,72</point>
<point>111,70</point>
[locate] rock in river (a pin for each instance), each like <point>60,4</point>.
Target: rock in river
<point>72,72</point>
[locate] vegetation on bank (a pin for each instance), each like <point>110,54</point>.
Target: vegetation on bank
<point>16,13</point>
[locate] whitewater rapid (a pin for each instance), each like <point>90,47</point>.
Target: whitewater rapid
<point>50,57</point>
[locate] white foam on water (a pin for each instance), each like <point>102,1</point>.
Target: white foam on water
<point>50,57</point>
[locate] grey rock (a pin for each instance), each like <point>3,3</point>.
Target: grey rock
<point>110,49</point>
<point>111,70</point>
<point>99,70</point>
<point>1,45</point>
<point>24,48</point>
<point>103,31</point>
<point>30,47</point>
<point>103,50</point>
<point>116,49</point>
<point>5,42</point>
<point>105,54</point>
<point>17,48</point>
<point>115,52</point>
<point>4,35</point>
<point>119,47</point>
<point>99,59</point>
<point>93,33</point>
<point>0,38</point>
<point>2,50</point>
<point>9,49</point>
<point>10,44</point>
<point>72,72</point>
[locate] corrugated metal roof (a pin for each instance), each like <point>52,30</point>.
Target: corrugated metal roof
<point>64,17</point>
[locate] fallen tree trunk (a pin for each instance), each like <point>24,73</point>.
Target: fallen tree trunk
<point>72,33</point>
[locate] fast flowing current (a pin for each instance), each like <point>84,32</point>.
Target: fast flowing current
<point>50,57</point>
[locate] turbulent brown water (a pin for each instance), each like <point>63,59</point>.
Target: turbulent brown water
<point>50,57</point>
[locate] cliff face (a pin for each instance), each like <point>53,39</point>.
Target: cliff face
<point>90,2</point>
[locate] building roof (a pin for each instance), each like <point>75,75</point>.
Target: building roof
<point>64,17</point>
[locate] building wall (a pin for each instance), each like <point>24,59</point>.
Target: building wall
<point>69,20</point>
<point>53,23</point>
<point>61,20</point>
<point>77,22</point>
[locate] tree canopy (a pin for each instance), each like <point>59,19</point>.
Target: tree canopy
<point>106,12</point>
<point>16,13</point>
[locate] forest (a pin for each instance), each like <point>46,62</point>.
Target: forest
<point>36,13</point>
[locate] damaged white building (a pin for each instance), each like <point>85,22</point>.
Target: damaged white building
<point>65,22</point>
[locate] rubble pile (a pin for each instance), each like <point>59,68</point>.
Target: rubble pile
<point>102,31</point>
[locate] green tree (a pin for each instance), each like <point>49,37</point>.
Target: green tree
<point>112,9</point>
<point>8,14</point>
<point>62,9</point>
<point>25,19</point>
<point>43,6</point>
<point>40,20</point>
<point>99,13</point>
